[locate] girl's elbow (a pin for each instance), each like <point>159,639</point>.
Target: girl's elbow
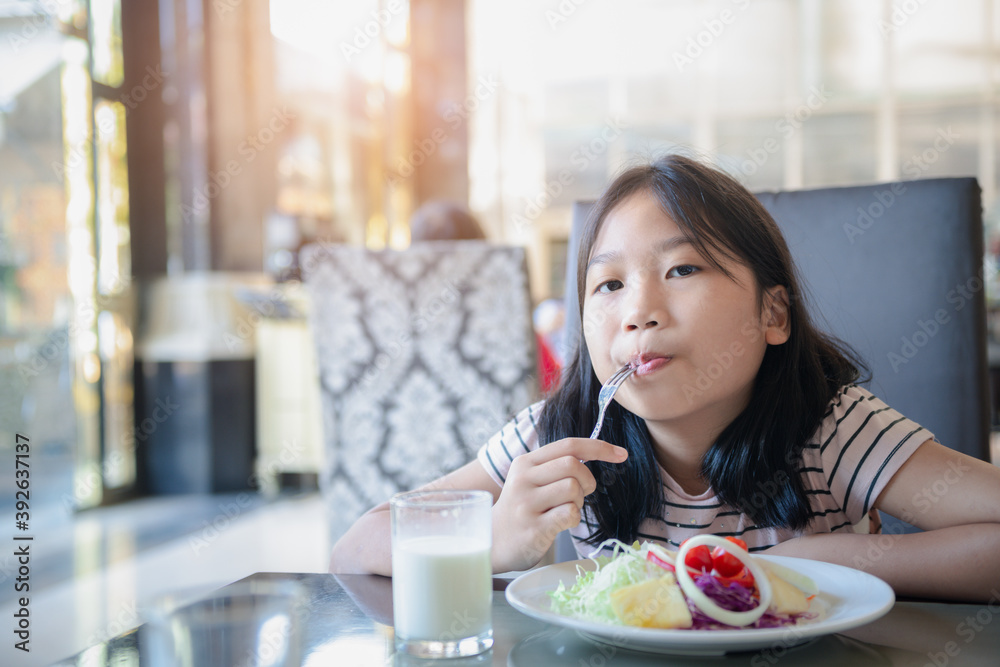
<point>338,564</point>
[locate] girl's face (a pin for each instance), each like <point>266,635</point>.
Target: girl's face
<point>697,335</point>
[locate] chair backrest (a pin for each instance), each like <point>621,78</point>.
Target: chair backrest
<point>423,354</point>
<point>896,271</point>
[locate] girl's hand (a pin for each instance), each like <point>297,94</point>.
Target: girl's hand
<point>543,496</point>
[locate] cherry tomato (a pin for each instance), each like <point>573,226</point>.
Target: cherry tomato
<point>738,542</point>
<point>653,558</point>
<point>699,558</point>
<point>744,579</point>
<point>726,564</point>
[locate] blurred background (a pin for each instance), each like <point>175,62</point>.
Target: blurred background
<point>162,162</point>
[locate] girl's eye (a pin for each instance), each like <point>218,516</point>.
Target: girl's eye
<point>609,286</point>
<point>681,271</point>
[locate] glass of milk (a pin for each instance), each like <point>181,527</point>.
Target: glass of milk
<point>442,580</point>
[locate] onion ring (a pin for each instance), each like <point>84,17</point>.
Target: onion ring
<point>705,603</point>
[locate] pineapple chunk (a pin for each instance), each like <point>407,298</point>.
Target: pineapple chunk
<point>657,603</point>
<point>785,597</point>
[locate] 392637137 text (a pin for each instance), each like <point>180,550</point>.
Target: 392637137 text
<point>22,542</point>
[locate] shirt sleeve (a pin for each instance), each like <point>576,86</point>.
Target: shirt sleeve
<point>518,436</point>
<point>863,442</point>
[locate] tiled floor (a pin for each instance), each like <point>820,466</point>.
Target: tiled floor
<point>116,564</point>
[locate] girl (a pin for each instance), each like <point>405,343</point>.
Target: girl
<point>740,419</point>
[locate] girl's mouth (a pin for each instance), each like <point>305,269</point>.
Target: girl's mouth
<point>645,366</point>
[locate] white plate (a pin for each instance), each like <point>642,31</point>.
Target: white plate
<point>851,597</point>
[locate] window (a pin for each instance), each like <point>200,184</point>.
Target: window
<point>782,93</point>
<point>65,318</point>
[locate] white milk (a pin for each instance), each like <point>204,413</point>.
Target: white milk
<point>442,588</point>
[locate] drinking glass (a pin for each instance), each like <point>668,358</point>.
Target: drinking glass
<point>442,582</point>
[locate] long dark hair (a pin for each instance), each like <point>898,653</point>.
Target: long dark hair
<point>753,466</point>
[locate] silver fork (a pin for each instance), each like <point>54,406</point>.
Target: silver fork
<point>607,393</point>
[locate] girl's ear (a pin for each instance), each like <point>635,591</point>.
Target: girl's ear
<point>778,324</point>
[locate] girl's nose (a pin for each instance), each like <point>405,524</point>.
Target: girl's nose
<point>645,309</point>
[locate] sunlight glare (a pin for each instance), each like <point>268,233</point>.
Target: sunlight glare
<point>327,29</point>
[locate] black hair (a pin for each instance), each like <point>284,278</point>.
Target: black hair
<point>753,465</point>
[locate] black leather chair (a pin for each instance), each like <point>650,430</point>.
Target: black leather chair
<point>896,271</point>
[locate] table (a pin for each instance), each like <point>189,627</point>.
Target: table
<point>349,623</point>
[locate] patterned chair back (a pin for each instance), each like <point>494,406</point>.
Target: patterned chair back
<point>423,354</point>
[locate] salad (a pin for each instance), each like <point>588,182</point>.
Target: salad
<point>710,583</point>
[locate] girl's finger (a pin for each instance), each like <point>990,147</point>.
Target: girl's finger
<point>563,517</point>
<point>583,449</point>
<point>560,492</point>
<point>551,472</point>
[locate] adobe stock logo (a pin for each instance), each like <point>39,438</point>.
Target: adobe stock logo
<point>787,125</point>
<point>454,116</point>
<point>369,33</point>
<point>581,159</point>
<point>912,168</point>
<point>705,38</point>
<point>960,295</point>
<point>901,14</point>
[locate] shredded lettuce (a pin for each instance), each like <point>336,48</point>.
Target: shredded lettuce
<point>590,597</point>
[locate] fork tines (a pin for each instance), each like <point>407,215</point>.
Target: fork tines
<point>620,376</point>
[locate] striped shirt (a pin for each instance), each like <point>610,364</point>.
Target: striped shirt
<point>858,447</point>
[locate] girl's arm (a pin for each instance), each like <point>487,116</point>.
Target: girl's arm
<point>542,496</point>
<point>365,547</point>
<point>955,499</point>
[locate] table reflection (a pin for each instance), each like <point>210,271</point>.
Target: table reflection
<point>349,622</point>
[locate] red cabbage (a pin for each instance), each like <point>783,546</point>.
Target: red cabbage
<point>734,597</point>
